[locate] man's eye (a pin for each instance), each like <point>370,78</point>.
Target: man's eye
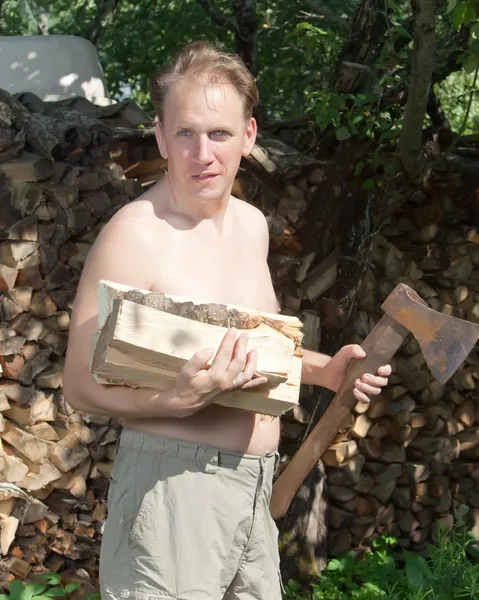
<point>220,133</point>
<point>184,132</point>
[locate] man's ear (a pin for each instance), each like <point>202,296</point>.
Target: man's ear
<point>160,140</point>
<point>250,136</point>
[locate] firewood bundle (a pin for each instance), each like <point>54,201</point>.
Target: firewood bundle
<point>146,337</point>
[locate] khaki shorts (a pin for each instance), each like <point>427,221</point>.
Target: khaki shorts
<point>189,521</point>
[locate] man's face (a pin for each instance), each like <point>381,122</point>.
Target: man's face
<point>203,136</point>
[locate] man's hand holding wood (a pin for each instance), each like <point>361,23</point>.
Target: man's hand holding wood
<point>233,367</point>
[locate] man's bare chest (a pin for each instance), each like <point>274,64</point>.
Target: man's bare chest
<point>230,275</point>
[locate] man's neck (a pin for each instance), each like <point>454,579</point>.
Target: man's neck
<point>190,212</point>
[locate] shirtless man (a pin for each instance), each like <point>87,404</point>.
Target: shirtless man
<point>189,495</point>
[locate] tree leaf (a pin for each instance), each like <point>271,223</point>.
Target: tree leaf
<point>470,14</point>
<point>32,589</point>
<point>475,31</point>
<point>52,578</point>
<point>16,589</point>
<point>56,592</point>
<point>368,184</point>
<point>475,47</point>
<point>71,587</point>
<point>334,564</point>
<point>451,5</point>
<point>417,570</point>
<point>343,133</point>
<point>459,15</point>
<point>470,63</point>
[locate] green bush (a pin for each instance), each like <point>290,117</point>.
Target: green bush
<point>50,586</point>
<point>449,571</point>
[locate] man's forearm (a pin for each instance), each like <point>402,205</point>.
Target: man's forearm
<point>315,369</point>
<point>120,401</point>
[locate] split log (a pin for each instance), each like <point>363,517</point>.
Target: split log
<point>147,344</point>
<point>27,167</point>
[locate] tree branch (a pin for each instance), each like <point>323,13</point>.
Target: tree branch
<point>217,16</point>
<point>451,48</point>
<point>43,23</point>
<point>469,102</point>
<point>438,119</point>
<point>247,32</point>
<point>104,14</point>
<point>360,51</point>
<point>1,19</point>
<point>410,140</point>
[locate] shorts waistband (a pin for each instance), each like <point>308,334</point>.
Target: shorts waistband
<point>161,445</point>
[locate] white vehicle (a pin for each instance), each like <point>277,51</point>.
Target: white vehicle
<point>54,67</point>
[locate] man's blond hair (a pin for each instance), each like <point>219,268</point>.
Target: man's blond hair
<point>202,62</point>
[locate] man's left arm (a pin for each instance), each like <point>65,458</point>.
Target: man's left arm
<point>329,372</point>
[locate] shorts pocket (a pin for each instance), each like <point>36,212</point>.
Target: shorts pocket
<point>167,537</point>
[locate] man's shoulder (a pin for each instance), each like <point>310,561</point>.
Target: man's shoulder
<point>136,220</point>
<point>250,215</point>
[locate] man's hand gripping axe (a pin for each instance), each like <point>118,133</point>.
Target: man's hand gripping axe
<point>445,343</point>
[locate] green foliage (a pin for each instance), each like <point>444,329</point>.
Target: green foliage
<point>299,43</point>
<point>355,115</point>
<point>144,34</point>
<point>50,587</point>
<point>464,14</point>
<point>449,571</point>
<point>454,93</point>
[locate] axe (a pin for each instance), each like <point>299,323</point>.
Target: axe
<point>445,343</point>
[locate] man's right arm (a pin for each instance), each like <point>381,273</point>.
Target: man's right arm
<point>126,252</point>
<point>119,254</point>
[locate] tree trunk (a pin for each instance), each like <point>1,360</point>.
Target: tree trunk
<point>246,35</point>
<point>410,141</point>
<point>1,17</point>
<point>104,13</point>
<point>356,63</point>
<point>43,23</point>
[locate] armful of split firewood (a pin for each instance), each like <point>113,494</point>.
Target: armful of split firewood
<point>199,381</point>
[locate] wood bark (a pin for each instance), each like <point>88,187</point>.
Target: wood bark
<point>105,11</point>
<point>410,141</point>
<point>355,69</point>
<point>61,133</point>
<point>216,15</point>
<point>246,33</point>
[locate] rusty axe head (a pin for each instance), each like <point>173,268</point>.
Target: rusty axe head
<point>445,341</point>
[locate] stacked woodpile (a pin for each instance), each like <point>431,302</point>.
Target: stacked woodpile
<point>409,460</point>
<point>54,462</point>
<point>412,458</point>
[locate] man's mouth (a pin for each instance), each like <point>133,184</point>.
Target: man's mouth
<point>204,176</point>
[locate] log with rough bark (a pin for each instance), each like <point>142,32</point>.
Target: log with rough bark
<point>65,135</point>
<point>146,337</point>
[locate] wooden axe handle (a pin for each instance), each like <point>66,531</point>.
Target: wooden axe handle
<point>380,346</point>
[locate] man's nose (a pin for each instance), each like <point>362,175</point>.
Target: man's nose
<point>204,149</point>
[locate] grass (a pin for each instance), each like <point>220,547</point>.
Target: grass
<point>448,571</point>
